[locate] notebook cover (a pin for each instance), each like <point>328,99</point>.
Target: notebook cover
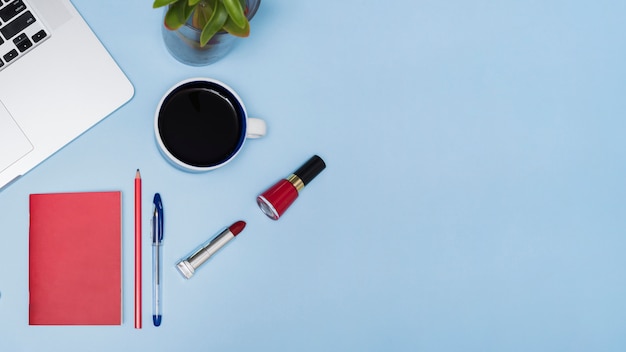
<point>75,264</point>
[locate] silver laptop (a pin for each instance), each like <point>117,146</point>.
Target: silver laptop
<point>56,81</point>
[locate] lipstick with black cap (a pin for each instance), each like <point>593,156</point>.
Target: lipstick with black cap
<point>276,199</point>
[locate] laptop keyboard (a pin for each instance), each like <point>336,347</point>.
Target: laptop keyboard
<point>20,31</point>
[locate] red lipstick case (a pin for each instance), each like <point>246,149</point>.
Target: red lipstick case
<point>276,199</point>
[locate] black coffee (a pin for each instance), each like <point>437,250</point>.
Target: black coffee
<point>201,124</point>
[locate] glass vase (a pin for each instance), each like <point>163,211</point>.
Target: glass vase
<point>184,43</point>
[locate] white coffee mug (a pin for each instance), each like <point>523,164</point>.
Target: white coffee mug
<point>201,124</point>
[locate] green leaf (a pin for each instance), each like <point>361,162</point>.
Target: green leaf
<point>203,13</point>
<point>215,23</point>
<point>185,11</point>
<point>161,3</point>
<point>235,30</point>
<point>244,6</point>
<point>235,11</point>
<point>194,2</point>
<point>174,18</point>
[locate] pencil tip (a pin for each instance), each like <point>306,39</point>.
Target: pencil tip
<point>138,174</point>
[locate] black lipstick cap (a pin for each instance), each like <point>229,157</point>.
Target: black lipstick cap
<point>309,170</point>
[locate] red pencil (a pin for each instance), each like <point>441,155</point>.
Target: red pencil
<point>138,250</point>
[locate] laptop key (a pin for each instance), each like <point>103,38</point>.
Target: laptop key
<point>22,42</point>
<point>12,10</point>
<point>10,55</point>
<point>17,25</point>
<point>37,37</point>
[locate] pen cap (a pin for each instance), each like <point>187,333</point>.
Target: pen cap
<point>157,219</point>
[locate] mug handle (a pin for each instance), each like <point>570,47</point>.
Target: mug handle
<point>256,128</point>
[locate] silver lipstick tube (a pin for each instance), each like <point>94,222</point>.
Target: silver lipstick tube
<point>187,267</point>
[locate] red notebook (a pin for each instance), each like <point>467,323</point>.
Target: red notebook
<point>75,263</point>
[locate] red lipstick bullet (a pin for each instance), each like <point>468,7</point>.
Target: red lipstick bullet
<point>276,199</point>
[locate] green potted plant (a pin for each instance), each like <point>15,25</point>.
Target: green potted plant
<point>198,32</point>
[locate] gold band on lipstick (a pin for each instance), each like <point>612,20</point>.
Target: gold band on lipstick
<point>296,182</point>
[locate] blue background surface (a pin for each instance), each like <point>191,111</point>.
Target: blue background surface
<point>474,197</point>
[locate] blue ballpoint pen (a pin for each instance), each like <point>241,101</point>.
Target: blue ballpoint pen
<point>157,275</point>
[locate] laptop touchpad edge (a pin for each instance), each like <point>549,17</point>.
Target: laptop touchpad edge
<point>13,142</point>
